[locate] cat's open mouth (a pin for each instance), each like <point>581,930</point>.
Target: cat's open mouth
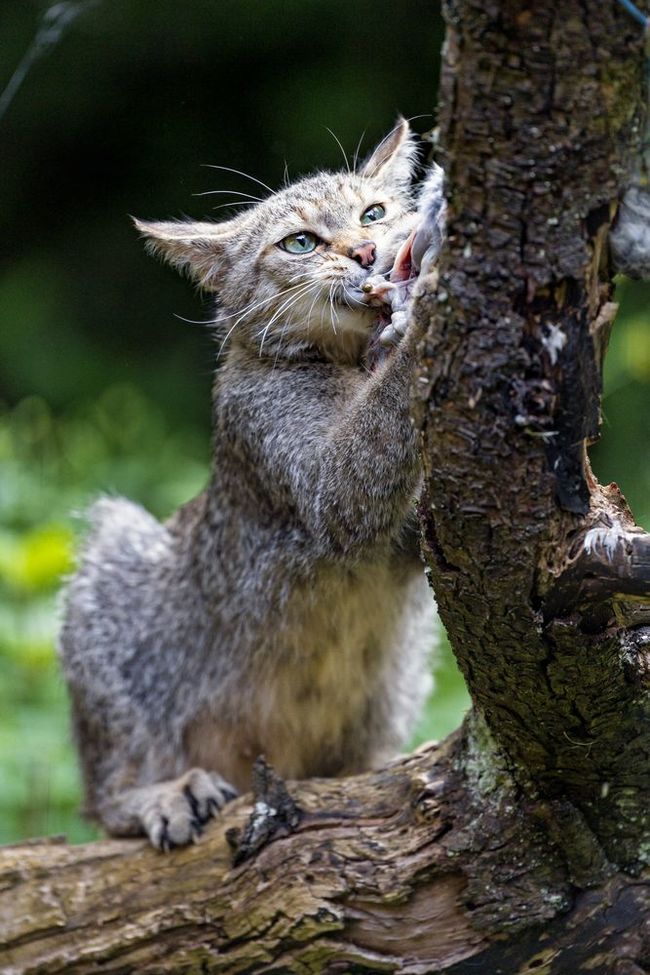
<point>388,291</point>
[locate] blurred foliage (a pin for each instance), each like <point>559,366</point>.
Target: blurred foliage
<point>623,453</point>
<point>102,389</point>
<point>51,466</point>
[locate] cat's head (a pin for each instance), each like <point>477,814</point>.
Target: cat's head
<point>290,270</point>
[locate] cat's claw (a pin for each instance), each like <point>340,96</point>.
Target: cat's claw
<point>178,810</point>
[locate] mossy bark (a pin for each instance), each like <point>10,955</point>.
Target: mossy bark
<point>521,844</point>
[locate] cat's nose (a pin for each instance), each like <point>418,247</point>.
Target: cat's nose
<point>364,253</point>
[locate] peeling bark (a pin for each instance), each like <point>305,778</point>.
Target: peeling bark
<point>521,844</point>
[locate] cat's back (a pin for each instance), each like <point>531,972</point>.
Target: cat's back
<point>124,552</point>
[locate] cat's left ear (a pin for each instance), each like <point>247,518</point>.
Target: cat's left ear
<point>393,160</point>
<point>193,247</point>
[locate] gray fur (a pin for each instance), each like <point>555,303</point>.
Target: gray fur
<point>630,237</point>
<point>285,609</point>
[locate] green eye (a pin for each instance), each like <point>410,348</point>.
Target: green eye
<point>373,213</point>
<point>301,243</point>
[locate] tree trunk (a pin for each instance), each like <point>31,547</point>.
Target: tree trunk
<point>521,844</point>
<point>540,572</point>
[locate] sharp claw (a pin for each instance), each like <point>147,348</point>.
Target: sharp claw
<point>192,801</point>
<point>164,843</point>
<point>213,807</point>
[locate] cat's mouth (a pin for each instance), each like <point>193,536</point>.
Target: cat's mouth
<point>385,291</point>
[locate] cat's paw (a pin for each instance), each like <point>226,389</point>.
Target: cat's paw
<point>396,329</point>
<point>176,812</point>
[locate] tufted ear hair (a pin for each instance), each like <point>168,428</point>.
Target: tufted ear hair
<point>195,248</point>
<point>393,160</point>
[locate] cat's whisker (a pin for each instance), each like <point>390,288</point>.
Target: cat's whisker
<point>255,199</point>
<point>279,345</point>
<point>333,300</point>
<point>194,321</point>
<point>246,311</point>
<point>355,158</point>
<point>256,304</point>
<point>333,311</point>
<point>288,304</point>
<point>350,298</point>
<point>314,287</point>
<point>235,203</point>
<point>300,276</point>
<point>318,290</point>
<point>311,307</point>
<point>322,312</point>
<point>240,172</point>
<point>340,145</point>
<point>207,322</point>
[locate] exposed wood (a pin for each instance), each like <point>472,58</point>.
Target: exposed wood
<point>415,869</point>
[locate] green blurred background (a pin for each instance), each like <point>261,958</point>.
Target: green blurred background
<point>102,386</point>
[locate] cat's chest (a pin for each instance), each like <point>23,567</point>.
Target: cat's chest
<point>331,657</point>
<point>316,674</point>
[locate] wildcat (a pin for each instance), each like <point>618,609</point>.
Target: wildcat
<point>285,609</point>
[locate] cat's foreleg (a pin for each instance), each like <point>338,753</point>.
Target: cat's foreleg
<point>369,467</point>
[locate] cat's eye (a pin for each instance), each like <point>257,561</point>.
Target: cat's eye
<point>373,213</point>
<point>303,242</point>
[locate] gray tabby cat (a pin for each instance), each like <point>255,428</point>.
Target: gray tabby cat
<point>285,609</point>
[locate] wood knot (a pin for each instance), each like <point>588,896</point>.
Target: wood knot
<point>274,814</point>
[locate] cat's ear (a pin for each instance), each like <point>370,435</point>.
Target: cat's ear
<point>393,160</point>
<point>193,247</point>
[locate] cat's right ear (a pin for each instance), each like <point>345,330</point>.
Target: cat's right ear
<point>194,247</point>
<point>393,160</point>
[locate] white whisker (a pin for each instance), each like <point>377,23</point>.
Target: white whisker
<point>256,304</point>
<point>340,145</point>
<point>332,309</point>
<point>314,287</point>
<point>355,158</point>
<point>279,344</point>
<point>244,312</point>
<point>235,203</point>
<point>288,303</point>
<point>240,172</point>
<point>311,307</point>
<point>256,199</point>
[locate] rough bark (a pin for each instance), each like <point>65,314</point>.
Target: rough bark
<point>520,844</point>
<point>540,573</point>
<point>432,865</point>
